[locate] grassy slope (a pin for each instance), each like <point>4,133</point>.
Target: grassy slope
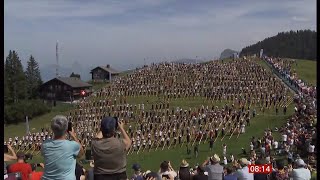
<point>151,160</point>
<point>307,71</point>
<point>37,123</point>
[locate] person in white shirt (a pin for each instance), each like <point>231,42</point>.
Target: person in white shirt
<point>243,172</point>
<point>311,149</point>
<point>284,138</point>
<point>300,172</point>
<point>251,146</point>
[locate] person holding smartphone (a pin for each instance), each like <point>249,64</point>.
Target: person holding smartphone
<point>110,152</point>
<point>9,153</point>
<point>59,153</point>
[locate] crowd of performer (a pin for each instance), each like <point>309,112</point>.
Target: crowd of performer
<point>243,85</point>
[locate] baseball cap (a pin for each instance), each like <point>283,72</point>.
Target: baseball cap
<point>136,167</point>
<point>108,125</point>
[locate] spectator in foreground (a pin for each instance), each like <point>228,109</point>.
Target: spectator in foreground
<point>281,173</point>
<point>153,176</point>
<point>137,172</point>
<point>21,166</point>
<point>200,174</point>
<point>110,152</point>
<point>230,175</point>
<point>243,172</point>
<point>166,170</point>
<point>259,176</point>
<point>36,175</point>
<point>60,154</point>
<point>184,173</point>
<point>300,172</point>
<point>214,169</point>
<point>10,155</point>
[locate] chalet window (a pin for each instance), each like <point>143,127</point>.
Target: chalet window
<point>65,87</point>
<point>51,87</point>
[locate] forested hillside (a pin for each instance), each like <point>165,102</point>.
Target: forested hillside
<point>300,44</point>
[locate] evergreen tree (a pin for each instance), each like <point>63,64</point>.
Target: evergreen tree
<point>15,77</point>
<point>33,78</point>
<point>294,44</point>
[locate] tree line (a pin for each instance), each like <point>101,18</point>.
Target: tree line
<point>21,89</point>
<point>301,44</point>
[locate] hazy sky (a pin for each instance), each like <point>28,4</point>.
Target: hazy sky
<point>124,32</point>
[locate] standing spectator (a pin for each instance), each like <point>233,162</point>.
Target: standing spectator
<point>230,175</point>
<point>211,144</point>
<point>137,172</point>
<point>260,176</point>
<point>214,169</point>
<point>80,171</point>
<point>60,154</point>
<point>196,150</point>
<point>243,172</point>
<point>280,172</point>
<point>200,174</point>
<point>166,170</point>
<point>36,175</point>
<point>300,172</point>
<point>224,150</point>
<point>10,155</point>
<point>90,175</point>
<point>21,166</point>
<point>184,173</point>
<point>110,152</point>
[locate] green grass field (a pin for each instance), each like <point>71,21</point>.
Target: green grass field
<point>151,160</point>
<point>307,70</point>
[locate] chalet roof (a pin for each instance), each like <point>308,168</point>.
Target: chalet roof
<point>107,69</point>
<point>73,82</point>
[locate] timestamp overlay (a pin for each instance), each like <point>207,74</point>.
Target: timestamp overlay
<point>260,169</point>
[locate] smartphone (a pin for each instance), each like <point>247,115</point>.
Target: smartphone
<point>116,118</point>
<point>6,150</point>
<point>38,165</point>
<point>69,126</point>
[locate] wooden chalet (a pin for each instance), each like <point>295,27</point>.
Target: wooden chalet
<point>65,89</point>
<point>103,73</point>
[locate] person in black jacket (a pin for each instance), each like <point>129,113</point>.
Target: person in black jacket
<point>184,173</point>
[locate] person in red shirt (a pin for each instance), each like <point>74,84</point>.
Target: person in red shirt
<point>21,166</point>
<point>36,175</point>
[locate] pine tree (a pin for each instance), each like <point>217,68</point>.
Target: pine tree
<point>33,78</point>
<point>15,77</point>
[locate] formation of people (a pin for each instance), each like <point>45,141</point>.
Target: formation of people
<point>243,85</point>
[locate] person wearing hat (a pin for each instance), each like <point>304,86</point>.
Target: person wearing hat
<point>184,173</point>
<point>300,172</point>
<point>60,154</point>
<point>243,172</point>
<point>110,152</point>
<point>137,172</point>
<point>214,169</point>
<point>21,166</point>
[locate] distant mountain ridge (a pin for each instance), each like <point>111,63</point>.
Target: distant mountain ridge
<point>227,53</point>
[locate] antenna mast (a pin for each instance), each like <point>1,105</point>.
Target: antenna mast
<point>57,60</point>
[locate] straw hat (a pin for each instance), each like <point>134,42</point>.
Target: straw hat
<point>184,163</point>
<point>215,158</point>
<point>244,161</point>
